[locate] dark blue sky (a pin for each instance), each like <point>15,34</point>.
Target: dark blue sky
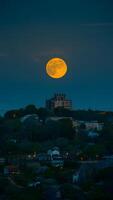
<point>79,31</point>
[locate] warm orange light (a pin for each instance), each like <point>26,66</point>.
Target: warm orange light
<point>56,68</point>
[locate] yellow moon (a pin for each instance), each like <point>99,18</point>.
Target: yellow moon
<point>56,68</point>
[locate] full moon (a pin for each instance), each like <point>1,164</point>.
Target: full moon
<point>56,68</point>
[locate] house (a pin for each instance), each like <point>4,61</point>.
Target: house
<point>43,157</point>
<point>53,152</point>
<point>89,125</point>
<point>57,161</point>
<point>59,100</point>
<point>56,158</point>
<point>93,134</point>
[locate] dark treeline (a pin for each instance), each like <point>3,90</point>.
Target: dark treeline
<point>43,113</point>
<point>30,125</point>
<point>39,126</point>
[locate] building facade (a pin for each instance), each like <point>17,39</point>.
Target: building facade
<point>89,125</point>
<point>59,100</point>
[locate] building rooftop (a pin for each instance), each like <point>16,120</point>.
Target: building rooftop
<point>58,100</point>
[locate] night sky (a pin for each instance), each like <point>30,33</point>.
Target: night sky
<point>79,31</point>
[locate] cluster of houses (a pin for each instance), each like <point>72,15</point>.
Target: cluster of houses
<point>52,157</point>
<point>87,170</point>
<point>89,125</point>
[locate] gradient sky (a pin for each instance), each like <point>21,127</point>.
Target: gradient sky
<point>79,31</point>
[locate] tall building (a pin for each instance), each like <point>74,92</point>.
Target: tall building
<point>59,100</point>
